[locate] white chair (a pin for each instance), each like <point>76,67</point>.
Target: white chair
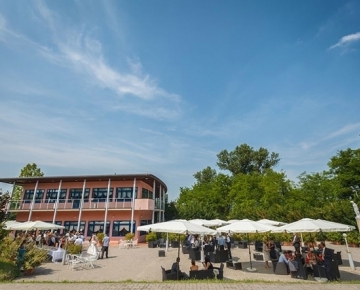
<point>122,244</point>
<point>135,243</point>
<point>72,261</point>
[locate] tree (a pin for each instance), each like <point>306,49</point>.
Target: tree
<point>244,159</point>
<point>4,200</point>
<point>31,170</point>
<point>206,175</point>
<point>346,167</point>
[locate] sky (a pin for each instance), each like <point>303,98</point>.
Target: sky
<point>161,87</point>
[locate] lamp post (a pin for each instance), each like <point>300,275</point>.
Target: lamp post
<point>351,262</point>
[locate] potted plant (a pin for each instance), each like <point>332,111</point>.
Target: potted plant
<point>74,249</point>
<point>33,257</point>
<point>100,236</point>
<point>151,239</point>
<point>174,240</point>
<point>129,237</point>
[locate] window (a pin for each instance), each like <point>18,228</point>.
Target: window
<point>51,195</point>
<point>71,226</point>
<point>29,194</point>
<point>75,194</point>
<point>143,223</point>
<point>125,193</point>
<point>121,228</point>
<point>97,226</point>
<point>99,194</point>
<point>147,193</point>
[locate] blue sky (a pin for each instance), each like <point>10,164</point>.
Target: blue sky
<point>161,87</point>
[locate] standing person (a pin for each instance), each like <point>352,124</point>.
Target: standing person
<point>221,242</point>
<point>296,242</point>
<point>105,246</point>
<point>266,251</point>
<point>228,245</point>
<point>327,255</point>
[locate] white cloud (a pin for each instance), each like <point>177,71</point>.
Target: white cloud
<point>346,40</point>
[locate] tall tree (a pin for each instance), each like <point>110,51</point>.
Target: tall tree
<point>346,167</point>
<point>244,159</point>
<point>4,199</point>
<point>206,175</point>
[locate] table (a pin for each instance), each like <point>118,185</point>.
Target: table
<point>56,254</point>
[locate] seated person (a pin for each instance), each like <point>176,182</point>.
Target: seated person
<point>207,264</point>
<point>175,268</point>
<point>309,261</point>
<point>299,256</point>
<point>285,258</point>
<point>193,266</point>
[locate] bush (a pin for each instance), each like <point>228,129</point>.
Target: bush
<point>151,237</point>
<point>8,271</point>
<point>34,256</point>
<point>129,236</point>
<point>74,249</point>
<point>100,237</point>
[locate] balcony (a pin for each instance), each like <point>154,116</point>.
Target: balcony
<point>75,204</point>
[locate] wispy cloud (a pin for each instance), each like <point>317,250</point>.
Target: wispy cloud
<point>347,39</point>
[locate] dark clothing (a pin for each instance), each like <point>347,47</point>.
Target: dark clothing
<point>296,243</point>
<point>175,268</point>
<point>328,257</point>
<point>104,249</point>
<point>210,266</point>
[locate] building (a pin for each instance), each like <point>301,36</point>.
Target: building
<point>114,203</point>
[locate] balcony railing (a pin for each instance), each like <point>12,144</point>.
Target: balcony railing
<point>95,203</point>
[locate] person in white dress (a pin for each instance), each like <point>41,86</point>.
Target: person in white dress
<point>266,251</point>
<point>93,250</point>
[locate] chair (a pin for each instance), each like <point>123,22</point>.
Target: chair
<point>258,246</point>
<point>73,261</point>
<point>220,256</point>
<point>301,272</point>
<point>135,244</point>
<point>167,275</point>
<point>202,274</point>
<point>338,258</point>
<point>122,244</point>
<point>161,243</point>
<point>280,268</point>
<point>194,254</point>
<point>220,269</point>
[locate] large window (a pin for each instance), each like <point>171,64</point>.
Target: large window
<point>29,194</point>
<point>99,194</point>
<point>51,195</point>
<point>97,226</point>
<point>70,226</point>
<point>76,193</point>
<point>121,228</point>
<point>125,193</point>
<point>143,223</point>
<point>147,193</point>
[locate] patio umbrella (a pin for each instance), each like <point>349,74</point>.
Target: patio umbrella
<point>220,222</point>
<point>271,222</point>
<point>246,226</point>
<point>205,223</point>
<point>8,224</point>
<point>36,225</point>
<point>307,225</point>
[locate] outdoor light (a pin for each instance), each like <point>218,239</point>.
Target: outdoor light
<point>351,262</point>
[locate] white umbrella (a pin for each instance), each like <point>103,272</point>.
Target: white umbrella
<point>246,226</point>
<point>271,222</point>
<point>177,227</point>
<point>205,223</point>
<point>220,222</point>
<point>39,225</point>
<point>232,221</point>
<point>8,224</point>
<point>307,225</point>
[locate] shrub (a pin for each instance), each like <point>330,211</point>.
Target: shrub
<point>129,236</point>
<point>34,256</point>
<point>8,271</point>
<point>151,237</point>
<point>100,237</point>
<point>74,249</point>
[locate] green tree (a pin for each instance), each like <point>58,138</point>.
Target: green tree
<point>29,170</point>
<point>244,159</point>
<point>346,167</point>
<point>4,200</point>
<point>206,175</point>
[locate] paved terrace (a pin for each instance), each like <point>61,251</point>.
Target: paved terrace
<point>143,265</point>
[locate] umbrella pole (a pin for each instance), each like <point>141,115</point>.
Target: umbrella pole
<point>179,247</point>
<point>251,269</point>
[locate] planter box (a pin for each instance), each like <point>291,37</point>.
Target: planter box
<point>175,244</point>
<point>152,244</point>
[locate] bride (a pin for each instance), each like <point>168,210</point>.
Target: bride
<point>93,250</point>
